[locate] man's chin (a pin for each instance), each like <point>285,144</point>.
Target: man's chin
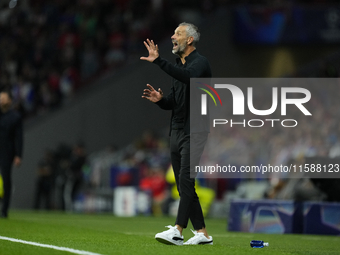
<point>177,52</point>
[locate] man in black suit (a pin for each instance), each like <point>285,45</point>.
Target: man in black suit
<point>186,142</point>
<point>11,140</point>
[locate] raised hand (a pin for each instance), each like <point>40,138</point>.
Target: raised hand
<point>152,95</point>
<point>152,49</point>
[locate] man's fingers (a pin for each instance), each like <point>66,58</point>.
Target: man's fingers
<point>150,87</point>
<point>152,45</point>
<point>148,98</point>
<point>147,45</point>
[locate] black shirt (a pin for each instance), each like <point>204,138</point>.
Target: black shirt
<point>177,121</point>
<point>195,66</point>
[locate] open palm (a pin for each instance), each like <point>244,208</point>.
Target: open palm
<point>152,49</point>
<point>151,94</point>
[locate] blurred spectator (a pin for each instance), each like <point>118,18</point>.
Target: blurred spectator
<point>115,55</point>
<point>74,175</point>
<point>53,80</point>
<point>89,60</point>
<point>69,81</point>
<point>68,37</point>
<point>45,181</point>
<point>154,182</point>
<point>63,155</point>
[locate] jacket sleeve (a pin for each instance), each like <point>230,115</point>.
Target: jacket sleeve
<point>166,103</point>
<point>195,70</point>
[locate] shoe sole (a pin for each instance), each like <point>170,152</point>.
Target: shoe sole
<point>165,241</point>
<point>201,243</point>
<point>206,243</point>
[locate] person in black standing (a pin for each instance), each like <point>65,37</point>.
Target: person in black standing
<point>189,64</point>
<point>11,142</point>
<point>74,175</point>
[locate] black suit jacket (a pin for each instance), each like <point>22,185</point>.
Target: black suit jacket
<point>11,137</point>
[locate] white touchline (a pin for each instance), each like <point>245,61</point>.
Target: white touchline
<point>49,246</point>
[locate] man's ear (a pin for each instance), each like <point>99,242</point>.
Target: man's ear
<point>190,40</point>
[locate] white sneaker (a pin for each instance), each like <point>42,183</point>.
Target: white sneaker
<point>199,238</point>
<point>171,236</point>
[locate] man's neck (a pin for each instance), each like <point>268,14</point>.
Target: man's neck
<point>186,53</point>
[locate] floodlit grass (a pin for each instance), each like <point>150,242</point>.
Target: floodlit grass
<point>107,234</point>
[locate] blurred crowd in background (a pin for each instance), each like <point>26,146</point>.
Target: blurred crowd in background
<point>49,49</point>
<point>67,170</point>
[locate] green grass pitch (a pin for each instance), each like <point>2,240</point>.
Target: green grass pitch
<point>106,234</point>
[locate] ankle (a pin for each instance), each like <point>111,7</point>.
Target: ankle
<point>204,231</point>
<point>180,228</point>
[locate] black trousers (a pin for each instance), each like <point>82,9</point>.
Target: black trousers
<point>189,205</point>
<point>5,168</point>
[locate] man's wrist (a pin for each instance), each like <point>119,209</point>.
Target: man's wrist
<point>156,61</point>
<point>159,101</point>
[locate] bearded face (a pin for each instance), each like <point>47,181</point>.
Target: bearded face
<point>178,47</point>
<point>179,40</point>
